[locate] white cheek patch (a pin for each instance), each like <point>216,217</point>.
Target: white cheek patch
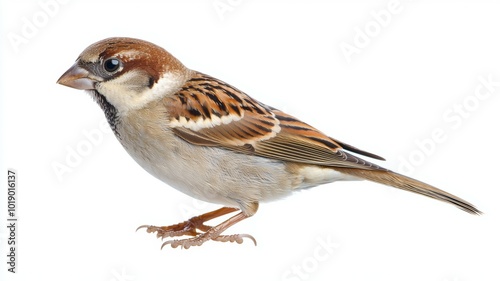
<point>167,85</point>
<point>122,94</point>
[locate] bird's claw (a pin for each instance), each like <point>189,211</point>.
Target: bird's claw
<point>202,238</point>
<point>181,229</point>
<point>199,231</point>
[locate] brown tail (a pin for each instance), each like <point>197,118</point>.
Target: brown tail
<point>403,182</point>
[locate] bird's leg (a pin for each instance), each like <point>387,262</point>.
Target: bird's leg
<point>213,233</point>
<point>189,227</point>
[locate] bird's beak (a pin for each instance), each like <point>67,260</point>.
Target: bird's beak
<point>78,78</point>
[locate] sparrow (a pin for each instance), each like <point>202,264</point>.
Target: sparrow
<point>212,141</point>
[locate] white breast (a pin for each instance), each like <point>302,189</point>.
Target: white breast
<point>207,173</point>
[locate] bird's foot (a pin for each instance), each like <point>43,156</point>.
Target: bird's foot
<point>201,233</point>
<point>189,227</point>
<point>204,237</point>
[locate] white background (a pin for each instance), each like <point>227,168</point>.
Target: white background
<point>422,63</point>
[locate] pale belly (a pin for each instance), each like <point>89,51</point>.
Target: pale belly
<point>218,175</point>
<point>210,174</point>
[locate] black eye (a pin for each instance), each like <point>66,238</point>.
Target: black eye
<point>112,64</point>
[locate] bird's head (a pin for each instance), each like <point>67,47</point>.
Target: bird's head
<point>127,73</point>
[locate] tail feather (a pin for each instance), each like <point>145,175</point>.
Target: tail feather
<point>406,183</point>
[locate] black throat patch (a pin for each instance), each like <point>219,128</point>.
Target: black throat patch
<point>109,111</point>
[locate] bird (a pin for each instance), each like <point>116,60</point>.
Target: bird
<point>213,142</point>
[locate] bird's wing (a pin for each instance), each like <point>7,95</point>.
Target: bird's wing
<point>209,112</point>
